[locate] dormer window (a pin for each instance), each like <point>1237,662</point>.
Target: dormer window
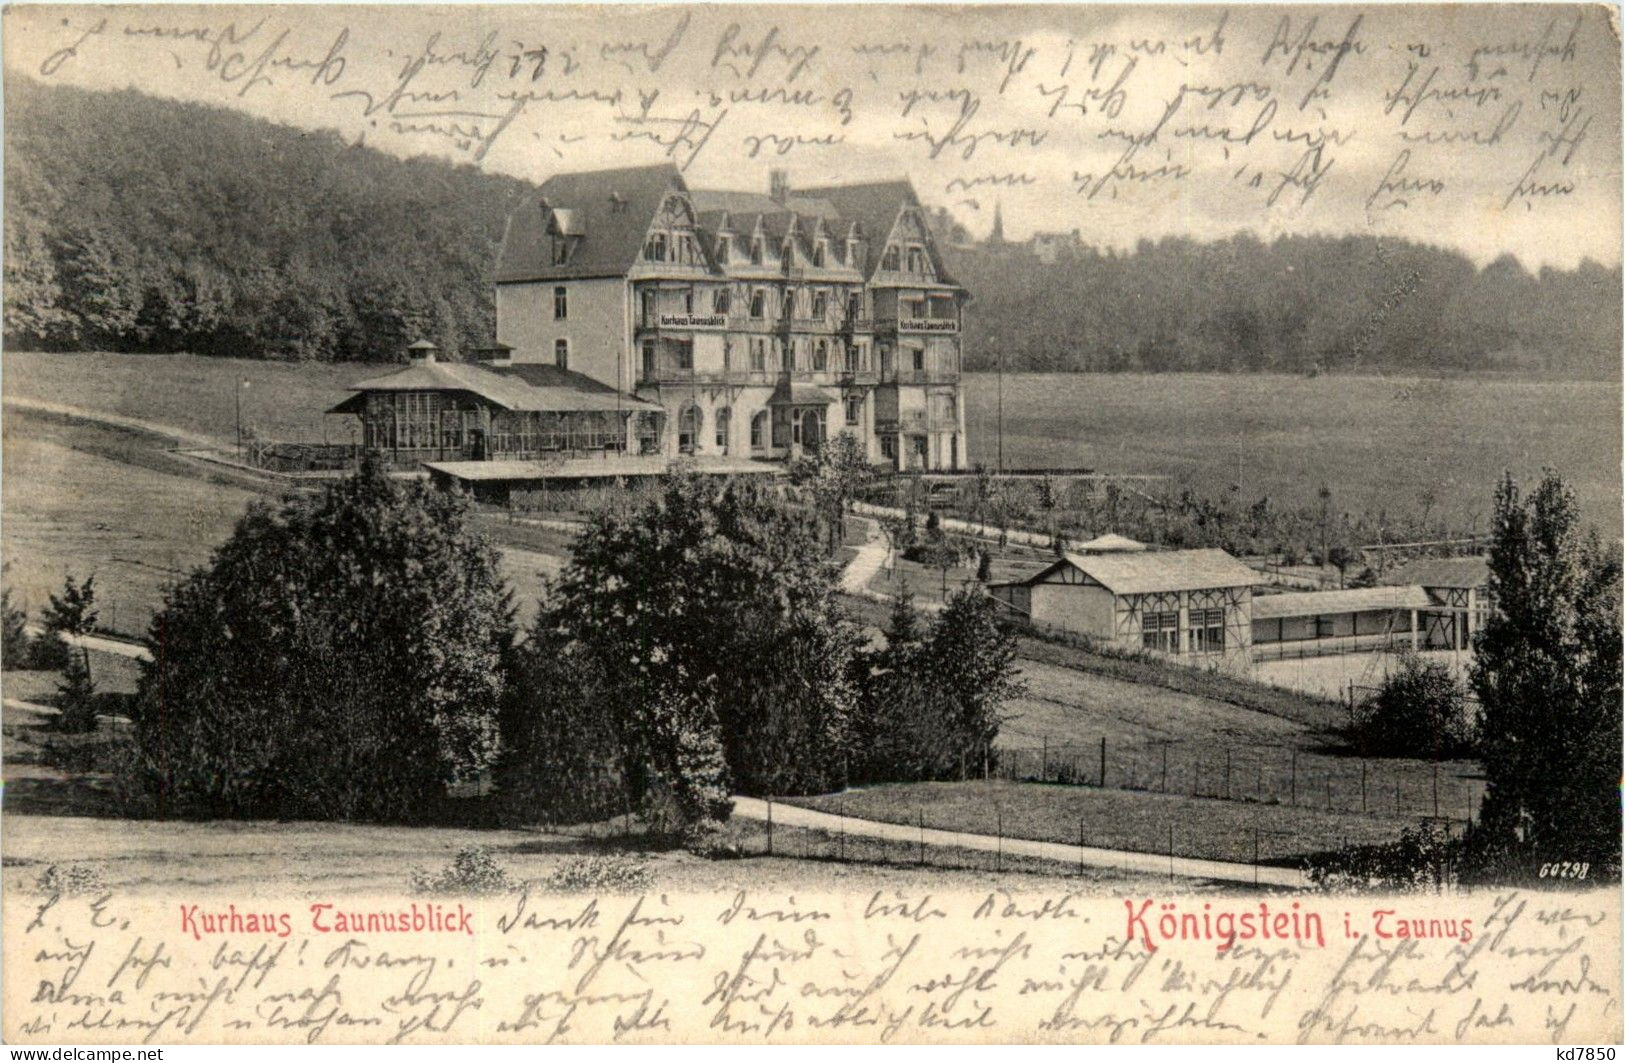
<point>820,252</point>
<point>916,260</point>
<point>790,253</point>
<point>722,251</point>
<point>655,249</point>
<point>890,260</point>
<point>756,252</point>
<point>561,250</point>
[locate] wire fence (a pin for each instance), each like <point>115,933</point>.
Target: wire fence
<point>911,837</point>
<point>1259,774</point>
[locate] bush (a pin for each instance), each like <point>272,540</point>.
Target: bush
<point>342,657</point>
<point>70,880</point>
<point>600,874</point>
<point>474,870</point>
<point>1419,711</point>
<point>1421,860</point>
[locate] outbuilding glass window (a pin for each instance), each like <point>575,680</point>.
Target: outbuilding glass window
<point>1160,632</point>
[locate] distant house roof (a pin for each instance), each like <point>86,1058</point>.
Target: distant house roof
<point>1443,572</point>
<point>1111,542</point>
<point>556,390</point>
<point>1323,603</point>
<point>1155,570</point>
<point>606,212</point>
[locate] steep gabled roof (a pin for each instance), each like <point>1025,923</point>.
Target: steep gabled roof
<point>1153,571</point>
<point>611,209</point>
<point>874,206</point>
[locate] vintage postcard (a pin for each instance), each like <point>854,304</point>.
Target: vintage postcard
<point>772,524</point>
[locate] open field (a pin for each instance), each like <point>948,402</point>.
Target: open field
<point>1377,442</point>
<point>87,499</point>
<point>1114,819</point>
<point>69,508</point>
<point>282,400</point>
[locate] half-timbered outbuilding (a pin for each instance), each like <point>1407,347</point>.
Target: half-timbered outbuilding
<point>1175,602</point>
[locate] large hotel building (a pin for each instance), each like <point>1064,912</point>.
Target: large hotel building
<point>757,324</point>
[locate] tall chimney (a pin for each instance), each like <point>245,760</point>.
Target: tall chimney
<point>778,186</point>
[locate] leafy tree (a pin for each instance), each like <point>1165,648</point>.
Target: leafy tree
<point>835,473</point>
<point>984,567</point>
<point>931,701</point>
<point>1547,671</point>
<point>341,657</point>
<point>562,752</point>
<point>1419,711</point>
<point>972,652</point>
<point>710,611</point>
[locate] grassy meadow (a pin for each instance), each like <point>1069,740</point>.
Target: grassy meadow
<point>1377,442</point>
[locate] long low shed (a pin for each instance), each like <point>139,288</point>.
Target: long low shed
<point>1345,620</point>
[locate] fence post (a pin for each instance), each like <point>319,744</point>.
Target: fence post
<point>1043,764</point>
<point>1080,845</point>
<point>922,837</point>
<point>1255,856</point>
<point>1170,851</point>
<point>1294,777</point>
<point>998,857</point>
<point>1435,788</point>
<point>770,826</point>
<point>1362,786</point>
<point>1227,773</point>
<point>1102,762</point>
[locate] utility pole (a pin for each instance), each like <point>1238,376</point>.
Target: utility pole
<point>239,397</point>
<point>1001,404</point>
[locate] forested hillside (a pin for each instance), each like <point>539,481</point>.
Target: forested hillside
<point>139,224</point>
<point>1298,304</point>
<point>134,223</point>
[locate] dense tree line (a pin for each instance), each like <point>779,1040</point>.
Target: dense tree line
<point>1297,304</point>
<point>139,224</point>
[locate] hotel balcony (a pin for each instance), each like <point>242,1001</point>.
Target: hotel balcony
<point>919,376</point>
<point>674,375</point>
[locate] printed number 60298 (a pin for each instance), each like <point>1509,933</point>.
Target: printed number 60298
<point>1566,869</point>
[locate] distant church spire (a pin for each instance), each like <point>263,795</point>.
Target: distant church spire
<point>997,235</point>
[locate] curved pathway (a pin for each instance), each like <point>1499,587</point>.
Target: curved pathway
<point>1089,856</point>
